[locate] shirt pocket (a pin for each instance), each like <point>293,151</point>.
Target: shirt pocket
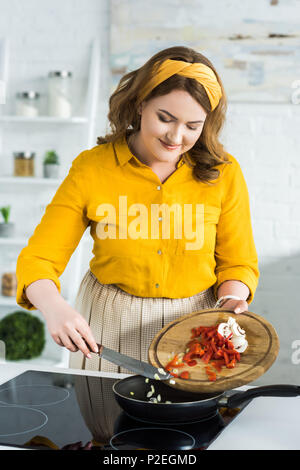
<point>200,228</point>
<point>111,236</point>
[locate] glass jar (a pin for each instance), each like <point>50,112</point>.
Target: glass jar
<point>24,163</point>
<point>59,93</point>
<point>27,103</point>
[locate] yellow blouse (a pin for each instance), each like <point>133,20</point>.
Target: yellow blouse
<point>152,239</point>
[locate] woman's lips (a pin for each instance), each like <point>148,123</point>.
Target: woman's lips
<point>169,147</point>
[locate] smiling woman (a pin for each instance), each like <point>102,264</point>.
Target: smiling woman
<point>168,210</point>
<point>139,105</point>
<point>161,140</point>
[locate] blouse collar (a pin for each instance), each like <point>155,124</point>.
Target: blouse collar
<point>124,155</point>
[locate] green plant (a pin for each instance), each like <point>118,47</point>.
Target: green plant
<point>5,211</point>
<point>51,158</point>
<point>23,335</point>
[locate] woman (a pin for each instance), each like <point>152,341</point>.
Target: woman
<point>168,210</point>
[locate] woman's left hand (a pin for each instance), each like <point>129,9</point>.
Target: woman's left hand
<point>237,306</point>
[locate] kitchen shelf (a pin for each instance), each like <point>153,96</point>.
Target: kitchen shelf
<point>24,240</point>
<point>6,301</point>
<point>15,185</point>
<point>44,119</point>
<point>13,241</point>
<point>30,180</point>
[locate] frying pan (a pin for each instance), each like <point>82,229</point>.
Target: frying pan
<point>185,407</point>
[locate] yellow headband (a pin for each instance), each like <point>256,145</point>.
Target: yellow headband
<point>202,73</point>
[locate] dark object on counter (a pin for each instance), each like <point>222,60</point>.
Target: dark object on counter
<point>131,395</point>
<point>23,335</point>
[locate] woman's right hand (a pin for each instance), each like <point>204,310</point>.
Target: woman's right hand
<point>69,329</point>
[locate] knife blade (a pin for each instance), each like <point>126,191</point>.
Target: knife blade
<point>139,367</point>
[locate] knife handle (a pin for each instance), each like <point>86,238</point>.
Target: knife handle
<point>100,349</point>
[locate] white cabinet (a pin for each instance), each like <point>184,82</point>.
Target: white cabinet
<point>32,190</point>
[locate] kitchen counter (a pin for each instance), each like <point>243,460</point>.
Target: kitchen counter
<point>266,423</point>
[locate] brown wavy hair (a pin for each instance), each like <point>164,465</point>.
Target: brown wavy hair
<point>124,118</point>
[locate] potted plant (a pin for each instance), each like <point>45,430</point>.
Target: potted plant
<point>6,228</point>
<point>23,335</point>
<point>51,164</point>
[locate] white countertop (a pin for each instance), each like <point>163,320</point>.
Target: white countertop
<point>267,423</point>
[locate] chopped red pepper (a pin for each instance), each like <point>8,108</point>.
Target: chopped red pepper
<point>192,363</point>
<point>211,375</point>
<point>231,364</point>
<point>207,356</point>
<point>174,375</point>
<point>237,355</point>
<point>209,345</point>
<point>184,375</point>
<point>226,358</point>
<point>218,364</point>
<point>174,363</point>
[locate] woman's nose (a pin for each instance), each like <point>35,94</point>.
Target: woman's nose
<point>175,137</point>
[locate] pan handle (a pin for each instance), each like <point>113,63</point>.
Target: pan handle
<point>266,391</point>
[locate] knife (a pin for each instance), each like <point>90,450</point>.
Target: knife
<point>139,367</point>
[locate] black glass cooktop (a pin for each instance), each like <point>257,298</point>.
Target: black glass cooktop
<point>45,410</point>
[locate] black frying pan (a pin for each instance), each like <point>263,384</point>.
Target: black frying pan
<point>186,407</point>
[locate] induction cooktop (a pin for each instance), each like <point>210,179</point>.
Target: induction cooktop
<point>49,410</point>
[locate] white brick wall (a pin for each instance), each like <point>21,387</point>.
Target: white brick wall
<point>263,137</point>
<point>270,163</point>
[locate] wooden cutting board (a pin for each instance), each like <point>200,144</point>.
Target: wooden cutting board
<point>263,347</point>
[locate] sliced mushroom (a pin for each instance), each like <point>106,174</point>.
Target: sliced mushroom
<point>243,347</point>
<point>237,330</point>
<point>224,330</point>
<point>231,321</point>
<point>238,341</point>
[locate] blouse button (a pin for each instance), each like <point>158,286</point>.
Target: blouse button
<point>158,188</point>
<point>160,219</point>
<point>156,285</point>
<point>159,252</point>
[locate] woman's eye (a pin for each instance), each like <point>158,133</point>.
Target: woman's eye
<point>164,120</point>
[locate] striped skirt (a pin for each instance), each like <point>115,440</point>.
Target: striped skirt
<point>127,323</point>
